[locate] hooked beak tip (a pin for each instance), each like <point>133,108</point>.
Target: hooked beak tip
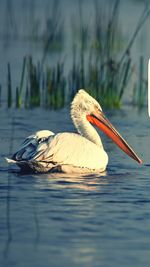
<point>140,161</point>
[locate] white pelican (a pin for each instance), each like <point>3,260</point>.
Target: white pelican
<point>79,152</point>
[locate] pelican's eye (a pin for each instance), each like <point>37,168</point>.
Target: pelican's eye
<point>97,108</point>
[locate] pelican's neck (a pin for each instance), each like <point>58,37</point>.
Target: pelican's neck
<point>85,128</point>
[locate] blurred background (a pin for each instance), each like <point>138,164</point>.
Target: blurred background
<point>49,49</point>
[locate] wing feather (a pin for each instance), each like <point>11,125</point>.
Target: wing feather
<point>33,146</point>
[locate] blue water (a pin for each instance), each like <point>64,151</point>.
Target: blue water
<point>65,220</point>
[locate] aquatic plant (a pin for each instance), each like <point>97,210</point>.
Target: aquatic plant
<point>140,87</point>
<point>103,66</point>
<point>47,30</point>
<point>34,83</point>
<point>53,35</point>
<point>9,87</point>
<point>101,77</point>
<point>10,28</point>
<point>54,88</point>
<point>109,69</point>
<point>19,90</point>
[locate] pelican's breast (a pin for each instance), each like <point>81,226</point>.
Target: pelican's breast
<point>76,150</point>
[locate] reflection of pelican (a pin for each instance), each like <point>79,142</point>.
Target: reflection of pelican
<point>72,152</point>
<point>84,181</point>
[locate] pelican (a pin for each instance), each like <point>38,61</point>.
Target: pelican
<point>80,152</point>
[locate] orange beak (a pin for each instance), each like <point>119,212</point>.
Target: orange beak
<point>99,119</point>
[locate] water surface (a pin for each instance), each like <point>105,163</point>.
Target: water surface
<point>69,220</point>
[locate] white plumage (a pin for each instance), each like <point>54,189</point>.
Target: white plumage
<point>71,152</point>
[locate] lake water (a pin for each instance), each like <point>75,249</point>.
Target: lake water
<point>63,220</point>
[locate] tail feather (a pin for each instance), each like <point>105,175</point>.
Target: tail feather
<point>10,161</point>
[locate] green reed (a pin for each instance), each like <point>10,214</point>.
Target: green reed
<point>19,91</point>
<point>9,86</point>
<point>140,88</point>
<point>110,65</point>
<point>53,35</point>
<point>54,88</point>
<point>34,83</point>
<point>101,63</point>
<point>101,78</point>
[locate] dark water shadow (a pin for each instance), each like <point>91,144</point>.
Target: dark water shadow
<point>8,217</point>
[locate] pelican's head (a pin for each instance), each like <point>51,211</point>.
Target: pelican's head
<point>86,107</point>
<point>84,103</point>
